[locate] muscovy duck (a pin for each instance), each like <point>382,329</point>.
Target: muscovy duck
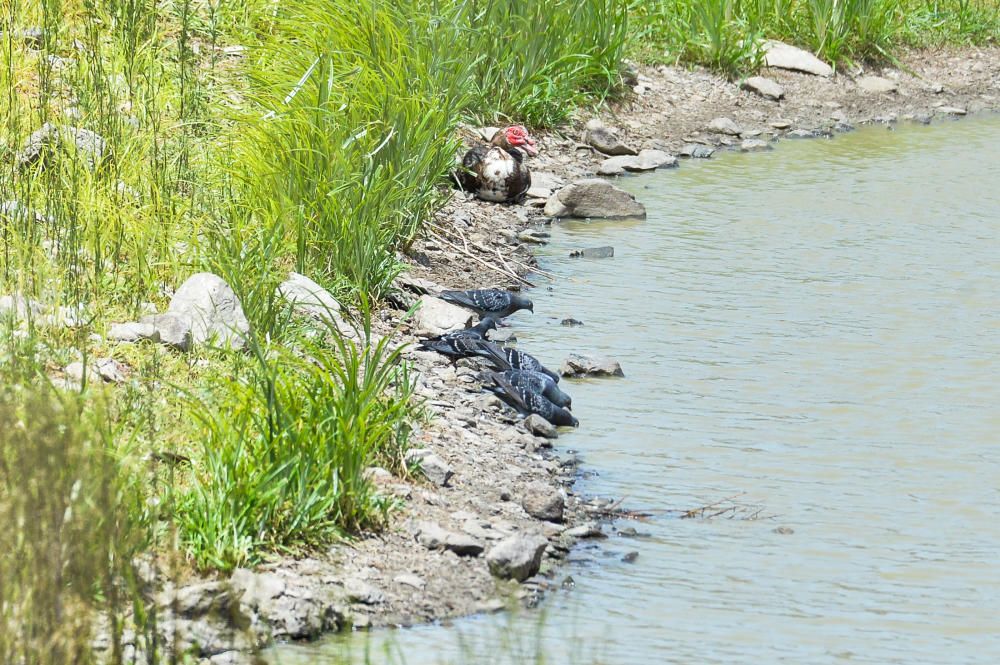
<point>497,171</point>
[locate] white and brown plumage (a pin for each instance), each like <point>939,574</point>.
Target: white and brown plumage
<point>497,171</point>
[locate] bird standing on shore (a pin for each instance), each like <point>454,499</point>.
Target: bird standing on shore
<point>466,347</point>
<point>528,402</point>
<point>477,331</point>
<point>492,303</point>
<point>497,171</point>
<point>520,360</point>
<point>536,382</point>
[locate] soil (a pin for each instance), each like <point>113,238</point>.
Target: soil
<point>389,578</point>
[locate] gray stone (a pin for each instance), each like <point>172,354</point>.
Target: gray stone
<point>540,426</point>
<point>764,87</point>
<point>534,236</point>
<point>725,126</point>
<point>594,198</point>
<point>593,253</point>
<point>781,124</point>
<point>170,329</point>
<point>543,184</point>
<point>614,165</point>
<point>359,591</point>
<point>111,370</point>
<point>604,140</point>
<point>802,134</point>
<point>19,306</point>
<point>431,535</point>
<point>785,56</point>
<point>307,297</point>
<point>754,145</point>
<point>431,466</point>
<point>516,557</point>
<point>133,332</point>
<point>544,502</point>
<point>697,151</point>
<point>293,609</point>
<point>463,544</point>
<point>410,580</point>
<point>212,311</point>
<point>650,159</point>
<point>877,85</point>
<point>580,365</point>
<point>951,110</point>
<point>435,316</point>
<point>83,143</point>
<point>585,531</point>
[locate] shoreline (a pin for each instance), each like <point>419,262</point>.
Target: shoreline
<point>391,578</point>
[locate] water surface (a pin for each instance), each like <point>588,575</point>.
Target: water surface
<point>816,331</point>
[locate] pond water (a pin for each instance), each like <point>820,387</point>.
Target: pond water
<point>812,333</point>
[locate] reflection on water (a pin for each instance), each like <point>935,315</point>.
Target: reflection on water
<point>817,330</point>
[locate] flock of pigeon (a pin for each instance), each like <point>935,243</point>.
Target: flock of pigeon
<point>518,378</point>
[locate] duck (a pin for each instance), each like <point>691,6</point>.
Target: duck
<point>497,171</point>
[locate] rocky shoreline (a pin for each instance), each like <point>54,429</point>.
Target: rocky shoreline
<point>488,479</point>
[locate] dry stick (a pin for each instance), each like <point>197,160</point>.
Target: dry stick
<point>479,260</point>
<point>486,250</point>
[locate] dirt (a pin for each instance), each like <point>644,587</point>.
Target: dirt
<point>474,244</point>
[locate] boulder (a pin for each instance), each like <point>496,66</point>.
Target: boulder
<point>697,151</point>
<point>435,316</point>
<point>646,160</point>
<point>877,85</point>
<point>133,332</point>
<point>725,126</point>
<point>544,502</point>
<point>516,557</point>
<point>294,608</point>
<point>212,310</point>
<point>83,143</point>
<point>605,140</point>
<point>580,365</point>
<point>594,198</point>
<point>540,427</point>
<point>414,581</point>
<point>431,466</point>
<point>754,145</point>
<point>785,56</point>
<point>169,329</point>
<point>764,87</point>
<point>307,297</point>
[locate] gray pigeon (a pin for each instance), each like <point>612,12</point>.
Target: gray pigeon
<point>528,402</point>
<point>465,347</point>
<point>494,303</point>
<point>521,360</point>
<point>536,382</point>
<point>477,331</point>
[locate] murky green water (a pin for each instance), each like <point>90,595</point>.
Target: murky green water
<point>817,330</point>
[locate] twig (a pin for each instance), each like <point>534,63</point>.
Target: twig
<point>479,260</point>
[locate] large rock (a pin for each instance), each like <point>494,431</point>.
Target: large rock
<point>646,160</point>
<point>877,85</point>
<point>294,608</point>
<point>595,198</point>
<point>785,56</point>
<point>764,87</point>
<point>434,537</point>
<point>307,297</point>
<point>213,311</point>
<point>544,502</point>
<point>517,557</point>
<point>133,332</point>
<point>49,138</point>
<point>580,365</point>
<point>435,316</point>
<point>697,151</point>
<point>431,466</point>
<point>605,140</point>
<point>754,145</point>
<point>168,329</point>
<point>726,126</point>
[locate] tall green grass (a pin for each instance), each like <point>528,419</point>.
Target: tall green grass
<point>725,34</point>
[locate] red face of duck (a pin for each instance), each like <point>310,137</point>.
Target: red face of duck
<point>517,137</point>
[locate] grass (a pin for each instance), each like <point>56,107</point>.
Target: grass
<point>247,138</point>
<point>725,34</point>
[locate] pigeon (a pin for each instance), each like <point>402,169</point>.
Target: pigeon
<point>493,303</point>
<point>465,347</point>
<point>528,402</point>
<point>521,360</point>
<point>536,382</point>
<point>477,331</point>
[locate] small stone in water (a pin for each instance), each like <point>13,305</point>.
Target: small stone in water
<point>630,557</point>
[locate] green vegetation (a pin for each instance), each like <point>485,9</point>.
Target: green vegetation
<point>248,139</point>
<point>726,34</point>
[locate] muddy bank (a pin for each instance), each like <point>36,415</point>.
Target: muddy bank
<point>496,466</point>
